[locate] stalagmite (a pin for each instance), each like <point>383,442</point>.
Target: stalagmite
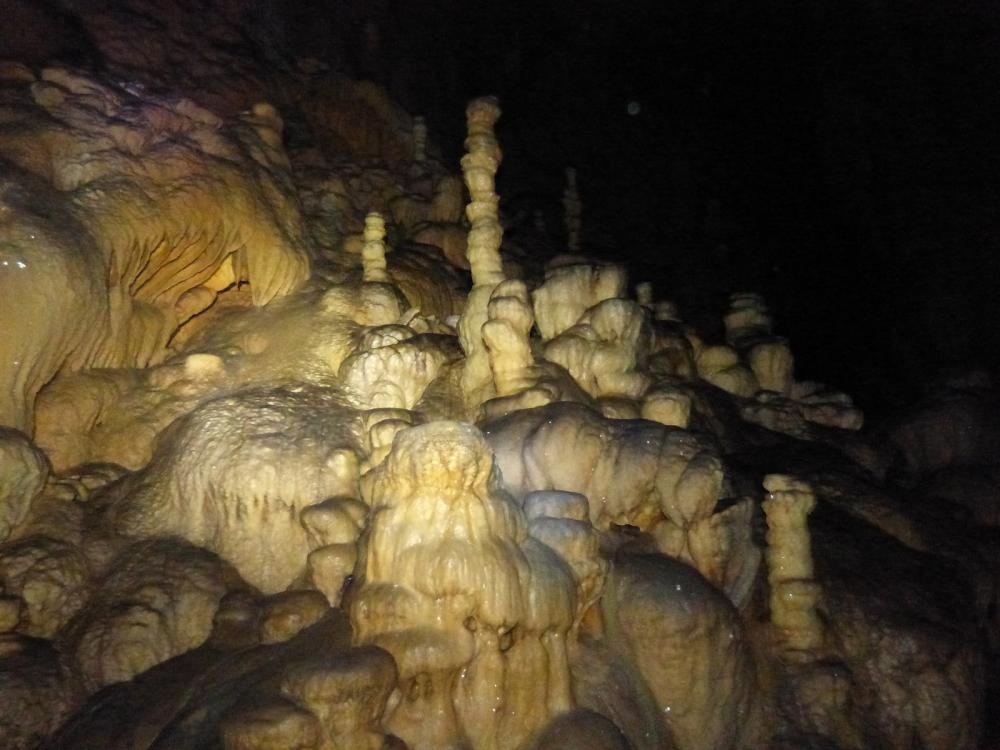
<point>479,167</point>
<point>794,591</point>
<point>373,252</point>
<point>473,609</point>
<point>505,334</point>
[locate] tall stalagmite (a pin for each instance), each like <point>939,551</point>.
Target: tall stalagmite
<point>479,167</point>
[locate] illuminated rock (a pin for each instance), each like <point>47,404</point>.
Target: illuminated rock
<point>157,206</point>
<point>721,366</point>
<point>605,349</point>
<point>244,414</point>
<point>51,580</point>
<point>473,609</point>
<point>479,167</point>
<point>506,335</point>
<point>373,252</point>
<point>687,643</point>
<point>570,288</point>
<point>235,475</point>
<point>794,591</point>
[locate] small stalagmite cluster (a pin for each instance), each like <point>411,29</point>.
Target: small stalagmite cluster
<point>292,457</point>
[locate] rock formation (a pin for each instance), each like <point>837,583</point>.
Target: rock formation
<point>264,484</point>
<point>479,167</point>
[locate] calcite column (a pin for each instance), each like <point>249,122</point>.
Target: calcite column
<point>574,211</point>
<point>373,251</point>
<point>794,592</point>
<point>479,167</point>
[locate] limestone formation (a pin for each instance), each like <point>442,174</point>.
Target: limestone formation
<point>748,318</point>
<point>47,580</point>
<point>794,590</point>
<point>632,472</point>
<point>606,349</point>
<point>772,364</point>
<point>688,646</point>
<point>156,205</point>
<point>667,406</point>
<point>392,368</point>
<point>264,484</point>
<point>479,167</point>
<point>245,467</point>
<point>470,606</point>
<point>23,471</point>
<point>158,601</point>
<point>721,366</point>
<point>373,252</point>
<point>506,335</point>
<point>570,288</point>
